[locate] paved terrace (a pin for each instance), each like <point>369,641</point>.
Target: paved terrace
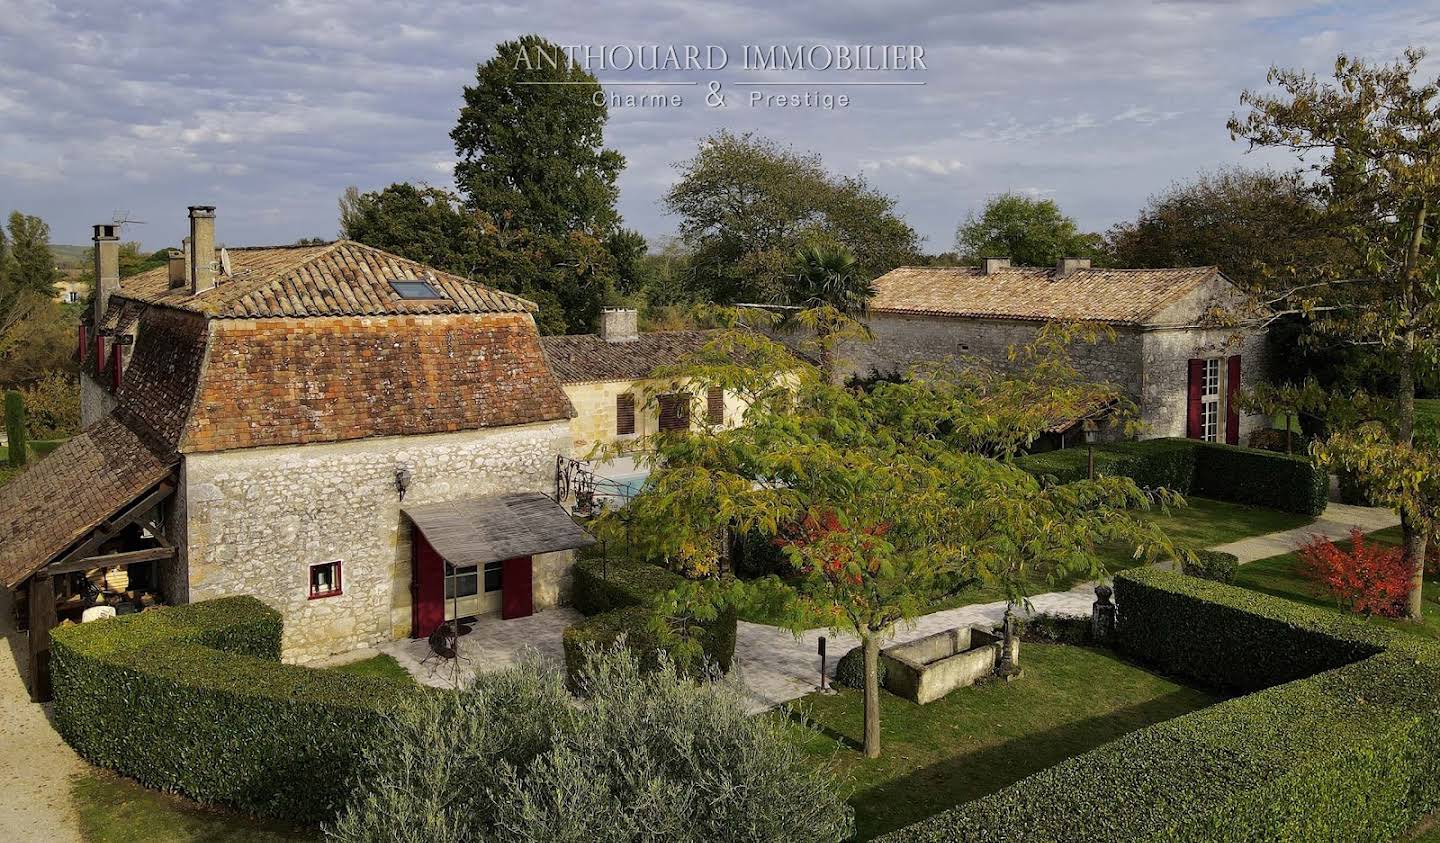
<point>776,667</point>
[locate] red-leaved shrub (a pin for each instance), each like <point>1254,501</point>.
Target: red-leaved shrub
<point>1369,578</point>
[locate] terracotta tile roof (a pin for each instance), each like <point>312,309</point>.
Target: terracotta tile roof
<point>586,358</point>
<point>164,372</point>
<point>279,382</point>
<point>1118,296</point>
<point>343,278</point>
<point>70,492</point>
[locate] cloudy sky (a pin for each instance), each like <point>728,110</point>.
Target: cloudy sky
<point>269,110</point>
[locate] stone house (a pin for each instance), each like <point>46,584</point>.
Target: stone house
<point>607,377</point>
<point>361,441</point>
<point>1170,355</point>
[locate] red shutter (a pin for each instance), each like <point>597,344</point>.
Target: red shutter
<point>84,345</point>
<point>99,353</point>
<point>1192,415</point>
<point>427,586</point>
<point>625,414</point>
<point>517,588</point>
<point>1232,412</point>
<point>117,365</point>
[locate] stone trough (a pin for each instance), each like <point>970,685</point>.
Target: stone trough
<point>926,669</point>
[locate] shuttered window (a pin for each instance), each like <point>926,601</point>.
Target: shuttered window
<point>674,412</point>
<point>715,405</point>
<point>625,414</point>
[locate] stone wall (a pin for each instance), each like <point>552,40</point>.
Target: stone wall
<point>95,401</point>
<point>595,413</point>
<point>901,341</point>
<point>1165,394</point>
<point>256,519</point>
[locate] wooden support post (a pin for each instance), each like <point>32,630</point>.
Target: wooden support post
<point>42,620</point>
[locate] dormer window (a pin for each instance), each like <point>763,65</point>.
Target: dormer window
<point>416,289</point>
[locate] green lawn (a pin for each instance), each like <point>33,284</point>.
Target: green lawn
<point>113,809</point>
<point>978,740</point>
<point>1200,523</point>
<point>380,667</point>
<point>1428,408</point>
<point>1278,576</point>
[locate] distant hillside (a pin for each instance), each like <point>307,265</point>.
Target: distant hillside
<point>69,257</point>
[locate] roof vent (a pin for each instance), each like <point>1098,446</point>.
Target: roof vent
<point>1065,266</point>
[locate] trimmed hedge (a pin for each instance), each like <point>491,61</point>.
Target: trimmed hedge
<point>850,670</point>
<point>1349,753</point>
<point>1214,565</point>
<point>617,595</point>
<point>193,699</point>
<point>1292,483</point>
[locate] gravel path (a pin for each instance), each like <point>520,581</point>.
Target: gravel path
<point>35,764</point>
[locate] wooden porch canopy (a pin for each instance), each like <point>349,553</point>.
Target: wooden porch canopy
<point>497,527</point>
<point>56,516</point>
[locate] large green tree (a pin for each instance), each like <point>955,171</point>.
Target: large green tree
<point>1372,135</point>
<point>419,222</point>
<point>884,500</point>
<point>826,295</point>
<point>746,203</point>
<point>1255,224</point>
<point>32,265</point>
<point>531,142</point>
<point>1027,230</point>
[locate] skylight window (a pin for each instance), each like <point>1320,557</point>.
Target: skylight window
<point>412,288</point>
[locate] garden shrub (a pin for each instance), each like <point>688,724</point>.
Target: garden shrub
<point>193,699</point>
<point>511,759</point>
<point>1261,478</point>
<point>617,596</point>
<point>850,670</point>
<point>1224,472</point>
<point>1367,577</point>
<point>1351,751</point>
<point>1050,628</point>
<point>758,555</point>
<point>1214,565</point>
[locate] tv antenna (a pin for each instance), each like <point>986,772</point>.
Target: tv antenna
<point>123,218</point>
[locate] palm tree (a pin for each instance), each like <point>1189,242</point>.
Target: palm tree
<point>826,294</point>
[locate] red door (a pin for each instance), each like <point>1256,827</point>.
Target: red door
<point>517,588</point>
<point>427,586</point>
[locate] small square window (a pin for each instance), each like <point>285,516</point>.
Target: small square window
<point>325,580</point>
<point>493,576</point>
<point>412,288</point>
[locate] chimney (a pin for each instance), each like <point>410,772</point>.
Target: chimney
<point>202,248</point>
<point>107,268</point>
<point>1065,266</point>
<point>178,260</point>
<point>994,265</point>
<point>619,324</point>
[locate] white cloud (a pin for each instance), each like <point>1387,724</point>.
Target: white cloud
<point>916,164</point>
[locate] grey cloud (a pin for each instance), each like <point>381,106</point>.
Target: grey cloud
<point>270,109</point>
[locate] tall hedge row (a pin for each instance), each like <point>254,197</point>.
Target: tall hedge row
<point>1349,753</point>
<point>193,699</point>
<point>616,594</point>
<point>1251,476</point>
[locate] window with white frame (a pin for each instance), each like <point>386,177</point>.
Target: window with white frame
<point>1210,401</point>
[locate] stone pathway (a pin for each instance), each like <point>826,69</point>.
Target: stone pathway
<point>35,764</point>
<point>1334,523</point>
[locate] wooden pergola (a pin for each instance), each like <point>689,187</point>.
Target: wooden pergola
<point>145,511</point>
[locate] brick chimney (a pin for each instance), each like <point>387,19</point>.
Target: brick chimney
<point>1065,266</point>
<point>202,248</point>
<point>107,267</point>
<point>619,324</point>
<point>178,259</point>
<point>994,265</point>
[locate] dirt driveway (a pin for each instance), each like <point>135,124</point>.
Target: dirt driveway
<point>35,764</point>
